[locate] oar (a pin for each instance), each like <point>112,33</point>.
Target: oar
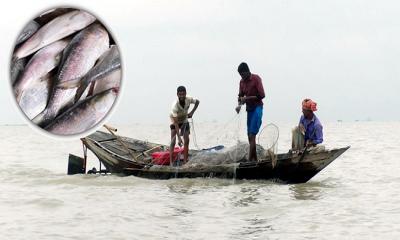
<point>145,152</point>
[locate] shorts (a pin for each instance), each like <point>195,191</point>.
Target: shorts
<point>254,120</point>
<point>184,127</point>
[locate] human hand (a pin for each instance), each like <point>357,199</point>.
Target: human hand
<point>237,109</point>
<point>242,100</point>
<point>190,115</point>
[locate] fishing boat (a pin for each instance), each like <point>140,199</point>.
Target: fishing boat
<point>127,156</point>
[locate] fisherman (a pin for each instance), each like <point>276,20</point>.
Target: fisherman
<point>251,93</point>
<point>179,121</point>
<point>308,134</point>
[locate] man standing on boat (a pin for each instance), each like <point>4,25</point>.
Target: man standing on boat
<point>309,131</point>
<point>251,93</point>
<point>179,121</point>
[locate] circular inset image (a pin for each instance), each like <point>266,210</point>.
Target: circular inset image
<point>65,71</point>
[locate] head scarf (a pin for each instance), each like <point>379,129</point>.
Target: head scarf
<point>309,104</point>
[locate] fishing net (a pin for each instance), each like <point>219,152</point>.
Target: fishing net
<point>268,138</point>
<point>234,154</point>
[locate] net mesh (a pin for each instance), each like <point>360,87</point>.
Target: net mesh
<point>234,154</point>
<point>268,138</point>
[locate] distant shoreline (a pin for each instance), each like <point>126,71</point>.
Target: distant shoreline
<point>214,122</point>
<point>7,124</point>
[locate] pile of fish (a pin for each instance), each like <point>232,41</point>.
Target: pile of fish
<point>65,71</point>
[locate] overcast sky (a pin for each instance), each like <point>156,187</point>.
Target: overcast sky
<point>342,54</point>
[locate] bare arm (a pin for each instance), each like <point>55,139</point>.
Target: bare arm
<point>190,115</point>
<point>240,102</point>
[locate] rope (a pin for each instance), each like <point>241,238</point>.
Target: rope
<point>237,134</point>
<point>194,134</point>
<point>235,117</point>
<point>237,143</point>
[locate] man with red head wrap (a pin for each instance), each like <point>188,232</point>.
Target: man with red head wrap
<point>309,131</point>
<point>309,104</point>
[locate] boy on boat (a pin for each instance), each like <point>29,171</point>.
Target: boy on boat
<point>179,121</point>
<point>251,93</point>
<point>308,134</point>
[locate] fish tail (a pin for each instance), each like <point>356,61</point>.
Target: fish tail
<point>14,59</point>
<point>43,118</point>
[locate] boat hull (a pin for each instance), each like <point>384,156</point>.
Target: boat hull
<point>289,168</point>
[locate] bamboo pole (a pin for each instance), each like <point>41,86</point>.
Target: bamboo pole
<point>112,130</point>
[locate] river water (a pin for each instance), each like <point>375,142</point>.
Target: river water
<point>356,197</point>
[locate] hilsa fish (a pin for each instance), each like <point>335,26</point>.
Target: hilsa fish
<point>27,31</point>
<point>78,58</point>
<point>56,29</point>
<point>84,115</point>
<point>107,63</point>
<point>34,98</point>
<point>18,65</point>
<point>45,60</point>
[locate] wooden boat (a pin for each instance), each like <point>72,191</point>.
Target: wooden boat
<point>127,156</point>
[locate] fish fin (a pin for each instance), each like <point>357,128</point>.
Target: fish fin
<point>14,59</point>
<point>43,119</point>
<point>80,91</point>
<point>18,96</point>
<point>39,119</point>
<point>69,84</point>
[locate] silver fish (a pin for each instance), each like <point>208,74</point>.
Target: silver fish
<point>78,58</point>
<point>84,115</point>
<point>56,29</point>
<point>45,60</point>
<point>34,99</point>
<point>16,69</point>
<point>51,14</point>
<point>107,63</point>
<point>112,80</point>
<point>27,31</point>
